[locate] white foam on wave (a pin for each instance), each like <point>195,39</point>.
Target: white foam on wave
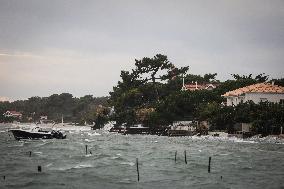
<point>126,180</point>
<point>253,140</point>
<point>18,145</point>
<point>94,134</point>
<point>108,126</point>
<point>88,140</point>
<point>128,163</point>
<point>48,165</point>
<point>62,168</point>
<point>66,127</point>
<point>80,166</point>
<point>223,154</point>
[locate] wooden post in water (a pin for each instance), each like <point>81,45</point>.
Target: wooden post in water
<point>4,177</point>
<point>39,168</point>
<point>30,153</point>
<point>137,168</point>
<point>86,149</point>
<point>185,160</point>
<point>175,156</point>
<point>209,165</point>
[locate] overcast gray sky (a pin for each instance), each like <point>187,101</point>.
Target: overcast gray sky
<point>79,47</point>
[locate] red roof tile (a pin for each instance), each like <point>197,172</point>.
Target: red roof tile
<point>256,88</point>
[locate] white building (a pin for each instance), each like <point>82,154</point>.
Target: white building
<point>183,125</point>
<point>14,114</point>
<point>257,93</point>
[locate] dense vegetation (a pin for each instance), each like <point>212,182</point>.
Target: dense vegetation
<point>79,110</point>
<point>151,94</point>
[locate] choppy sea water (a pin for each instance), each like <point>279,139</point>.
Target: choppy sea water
<point>111,162</point>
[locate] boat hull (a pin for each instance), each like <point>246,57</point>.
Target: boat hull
<point>21,134</point>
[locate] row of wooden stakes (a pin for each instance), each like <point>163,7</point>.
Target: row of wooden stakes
<point>185,160</point>
<point>39,168</point>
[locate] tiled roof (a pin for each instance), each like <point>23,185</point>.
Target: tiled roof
<point>193,87</point>
<point>256,88</point>
<point>15,112</point>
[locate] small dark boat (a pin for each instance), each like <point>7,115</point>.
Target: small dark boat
<point>37,133</point>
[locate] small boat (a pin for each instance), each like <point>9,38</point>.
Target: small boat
<point>137,129</point>
<point>37,133</point>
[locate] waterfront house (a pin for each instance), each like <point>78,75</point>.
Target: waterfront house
<point>257,93</point>
<point>196,86</point>
<point>183,125</point>
<point>182,128</point>
<point>13,114</point>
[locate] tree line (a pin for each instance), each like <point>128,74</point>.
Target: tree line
<point>87,109</point>
<point>151,94</point>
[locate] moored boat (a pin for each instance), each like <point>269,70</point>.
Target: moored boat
<point>37,133</point>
